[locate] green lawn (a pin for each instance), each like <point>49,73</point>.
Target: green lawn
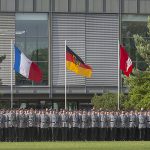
<point>76,146</point>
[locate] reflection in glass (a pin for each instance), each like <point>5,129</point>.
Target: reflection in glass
<point>34,44</point>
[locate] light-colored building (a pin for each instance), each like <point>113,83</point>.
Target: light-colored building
<point>92,29</point>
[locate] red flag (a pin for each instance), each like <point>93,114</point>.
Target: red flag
<point>125,62</point>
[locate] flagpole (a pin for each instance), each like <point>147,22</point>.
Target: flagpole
<point>65,78</point>
<point>118,75</point>
<point>11,73</point>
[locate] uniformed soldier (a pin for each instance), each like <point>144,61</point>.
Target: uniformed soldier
<point>44,124</point>
<point>64,125</point>
<point>118,126</point>
<point>148,125</point>
<point>124,122</point>
<point>89,128</point>
<point>127,124</point>
<point>55,125</point>
<point>37,136</point>
<point>113,125</point>
<point>50,125</point>
<point>103,125</point>
<point>84,125</point>
<point>6,133</point>
<point>31,124</point>
<point>142,125</point>
<point>132,125</point>
<point>137,125</point>
<point>99,125</point>
<point>11,125</point>
<point>22,125</point>
<point>75,125</point>
<point>70,125</point>
<point>94,125</point>
<point>108,128</point>
<point>2,125</point>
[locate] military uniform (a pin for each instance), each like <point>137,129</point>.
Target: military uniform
<point>75,126</point>
<point>124,125</point>
<point>132,126</point>
<point>142,126</point>
<point>64,126</point>
<point>148,126</point>
<point>113,125</point>
<point>94,125</point>
<point>55,125</point>
<point>84,126</point>
<point>11,126</point>
<point>44,124</point>
<point>22,126</point>
<point>31,126</point>
<point>2,125</point>
<point>103,125</point>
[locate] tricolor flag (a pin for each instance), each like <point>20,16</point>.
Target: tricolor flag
<point>26,67</point>
<point>76,64</point>
<point>125,62</point>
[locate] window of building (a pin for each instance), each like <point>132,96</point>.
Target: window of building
<point>33,43</point>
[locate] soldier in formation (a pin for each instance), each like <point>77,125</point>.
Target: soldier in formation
<point>63,125</point>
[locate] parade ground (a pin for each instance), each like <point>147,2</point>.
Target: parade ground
<point>119,145</point>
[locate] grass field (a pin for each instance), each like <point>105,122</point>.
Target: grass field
<point>76,146</point>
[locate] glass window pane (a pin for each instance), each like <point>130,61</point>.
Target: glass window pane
<point>33,43</point>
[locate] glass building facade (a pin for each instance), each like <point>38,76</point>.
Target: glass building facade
<point>33,43</point>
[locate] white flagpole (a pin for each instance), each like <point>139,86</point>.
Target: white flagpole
<point>118,75</point>
<point>11,73</point>
<point>65,78</point>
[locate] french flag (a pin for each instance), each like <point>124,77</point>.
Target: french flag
<point>26,67</point>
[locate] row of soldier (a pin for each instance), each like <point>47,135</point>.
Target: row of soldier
<point>52,125</point>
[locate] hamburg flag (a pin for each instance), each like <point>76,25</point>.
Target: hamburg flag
<point>26,67</point>
<point>125,62</point>
<point>76,64</point>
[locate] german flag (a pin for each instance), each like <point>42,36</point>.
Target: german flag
<point>76,64</point>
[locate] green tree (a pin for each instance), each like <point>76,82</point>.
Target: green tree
<point>108,101</point>
<point>139,82</point>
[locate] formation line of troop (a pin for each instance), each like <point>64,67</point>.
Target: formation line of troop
<point>78,125</point>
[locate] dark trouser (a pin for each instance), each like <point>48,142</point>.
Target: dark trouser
<point>136,133</point>
<point>50,134</point>
<point>94,133</point>
<point>148,134</point>
<point>1,134</point>
<point>142,133</point>
<point>12,134</point>
<point>70,133</point>
<point>123,133</point>
<point>6,134</point>
<point>54,133</point>
<point>118,134</point>
<point>108,130</point>
<point>44,134</point>
<point>31,133</point>
<point>64,131</point>
<point>84,134</point>
<point>75,134</point>
<point>38,134</point>
<point>89,133</point>
<point>21,134</point>
<point>103,134</point>
<point>113,133</point>
<point>132,133</point>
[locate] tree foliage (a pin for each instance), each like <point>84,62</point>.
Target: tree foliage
<point>139,82</point>
<point>108,101</point>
